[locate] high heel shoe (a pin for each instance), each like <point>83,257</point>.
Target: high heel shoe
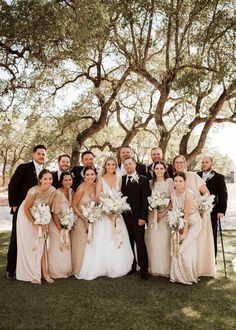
<point>48,278</point>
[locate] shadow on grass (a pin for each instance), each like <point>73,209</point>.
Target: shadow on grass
<point>122,303</point>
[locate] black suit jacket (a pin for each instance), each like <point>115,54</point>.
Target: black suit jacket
<point>141,169</point>
<point>77,177</point>
<point>150,171</point>
<point>22,180</point>
<point>216,186</point>
<point>55,181</point>
<point>137,194</point>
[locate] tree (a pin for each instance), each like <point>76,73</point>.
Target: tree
<point>146,66</point>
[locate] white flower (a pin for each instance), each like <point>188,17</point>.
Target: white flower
<point>41,213</point>
<point>91,211</point>
<point>114,202</point>
<point>206,203</point>
<point>175,219</point>
<point>158,200</point>
<point>135,178</point>
<point>67,218</point>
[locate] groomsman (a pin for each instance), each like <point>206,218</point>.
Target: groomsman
<point>63,166</point>
<point>87,159</point>
<point>215,183</point>
<point>157,156</point>
<point>126,152</point>
<point>136,188</point>
<point>25,177</point>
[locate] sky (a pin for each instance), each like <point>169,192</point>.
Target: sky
<point>224,140</point>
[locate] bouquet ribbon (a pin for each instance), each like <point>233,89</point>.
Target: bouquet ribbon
<point>174,247</point>
<point>205,218</point>
<point>116,229</point>
<point>90,232</point>
<point>42,235</point>
<point>64,239</point>
<point>155,219</point>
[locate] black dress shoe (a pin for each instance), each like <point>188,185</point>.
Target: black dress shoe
<point>10,276</point>
<point>145,276</point>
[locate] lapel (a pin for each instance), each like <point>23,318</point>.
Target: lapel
<point>210,176</point>
<point>33,171</point>
<point>200,174</point>
<point>123,186</point>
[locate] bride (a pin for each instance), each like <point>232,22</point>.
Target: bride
<point>103,257</point>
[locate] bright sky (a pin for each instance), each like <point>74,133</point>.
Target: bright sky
<point>224,139</point>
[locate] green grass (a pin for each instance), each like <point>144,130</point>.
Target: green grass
<point>122,303</point>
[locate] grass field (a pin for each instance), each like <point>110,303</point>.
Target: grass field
<point>122,303</point>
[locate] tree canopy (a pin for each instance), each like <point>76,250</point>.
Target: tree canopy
<point>104,73</point>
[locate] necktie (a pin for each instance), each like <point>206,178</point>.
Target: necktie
<point>129,180</point>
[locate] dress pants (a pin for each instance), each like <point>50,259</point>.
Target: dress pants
<point>12,249</point>
<point>136,234</point>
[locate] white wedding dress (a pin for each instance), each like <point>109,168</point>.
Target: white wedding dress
<point>107,254</point>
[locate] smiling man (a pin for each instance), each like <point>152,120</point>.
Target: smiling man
<point>215,183</point>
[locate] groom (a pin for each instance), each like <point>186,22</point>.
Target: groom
<point>136,188</point>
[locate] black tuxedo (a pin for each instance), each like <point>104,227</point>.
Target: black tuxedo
<point>169,171</point>
<point>55,180</point>
<point>216,186</point>
<point>22,180</point>
<point>137,194</point>
<point>77,176</point>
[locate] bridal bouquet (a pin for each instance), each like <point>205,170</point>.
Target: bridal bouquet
<point>175,220</point>
<point>92,213</point>
<point>67,218</point>
<point>42,216</point>
<point>158,200</point>
<point>41,213</point>
<point>114,202</point>
<point>206,204</point>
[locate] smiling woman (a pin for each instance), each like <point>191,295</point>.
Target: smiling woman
<point>32,231</point>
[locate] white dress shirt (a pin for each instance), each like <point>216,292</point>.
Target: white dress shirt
<point>205,175</point>
<point>38,167</point>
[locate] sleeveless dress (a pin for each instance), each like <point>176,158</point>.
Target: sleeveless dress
<point>158,237</point>
<point>28,265</point>
<point>205,242</point>
<point>59,260</point>
<point>184,265</point>
<point>79,237</point>
<point>102,256</point>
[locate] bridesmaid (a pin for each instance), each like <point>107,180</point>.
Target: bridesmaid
<point>158,237</point>
<point>59,258</point>
<point>85,193</point>
<point>31,263</point>
<point>205,242</point>
<point>184,263</point>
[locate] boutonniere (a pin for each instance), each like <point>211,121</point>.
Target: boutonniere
<point>135,178</point>
<point>210,176</point>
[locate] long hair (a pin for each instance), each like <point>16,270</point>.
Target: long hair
<point>105,162</point>
<point>166,175</point>
<point>181,174</point>
<point>63,174</point>
<point>41,174</point>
